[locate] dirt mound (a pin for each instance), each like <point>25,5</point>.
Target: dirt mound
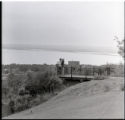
<point>93,87</point>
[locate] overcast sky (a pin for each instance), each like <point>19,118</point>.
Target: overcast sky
<point>42,32</point>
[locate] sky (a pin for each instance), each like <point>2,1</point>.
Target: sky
<point>42,32</point>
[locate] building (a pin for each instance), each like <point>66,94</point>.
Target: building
<point>74,67</point>
<point>74,63</point>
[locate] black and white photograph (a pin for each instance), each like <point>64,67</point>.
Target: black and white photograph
<point>63,59</point>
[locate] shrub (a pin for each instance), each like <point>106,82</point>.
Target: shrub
<point>20,103</point>
<point>12,106</point>
<point>4,91</point>
<point>42,82</point>
<point>22,92</point>
<point>15,82</point>
<point>55,82</point>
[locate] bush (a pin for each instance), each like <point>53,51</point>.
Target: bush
<point>4,91</point>
<point>12,106</point>
<point>56,82</point>
<point>42,82</point>
<point>20,103</point>
<point>16,81</point>
<point>23,92</point>
<point>30,89</point>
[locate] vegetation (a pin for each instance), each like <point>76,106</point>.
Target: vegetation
<point>121,47</point>
<point>24,86</point>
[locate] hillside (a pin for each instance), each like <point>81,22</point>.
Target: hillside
<point>93,99</point>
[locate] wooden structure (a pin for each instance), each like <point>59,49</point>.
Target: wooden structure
<point>80,78</point>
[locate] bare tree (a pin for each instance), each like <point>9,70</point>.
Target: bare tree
<point>120,46</point>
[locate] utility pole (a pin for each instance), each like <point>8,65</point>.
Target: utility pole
<point>71,72</point>
<point>93,70</point>
<point>80,69</point>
